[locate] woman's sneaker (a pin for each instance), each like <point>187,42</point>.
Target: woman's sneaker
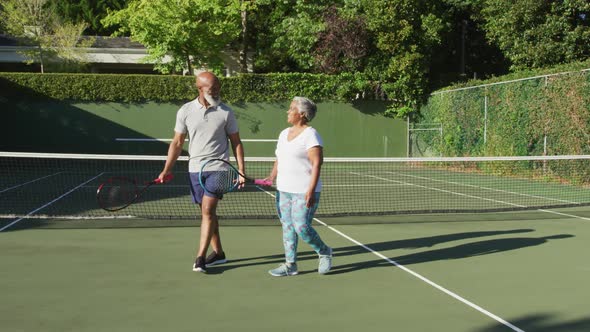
<point>325,262</point>
<point>285,269</point>
<point>214,259</point>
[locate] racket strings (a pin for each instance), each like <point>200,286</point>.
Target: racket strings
<point>117,194</point>
<point>221,182</point>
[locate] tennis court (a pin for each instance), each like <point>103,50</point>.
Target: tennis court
<point>421,245</point>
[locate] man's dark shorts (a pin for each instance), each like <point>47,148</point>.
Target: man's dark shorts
<point>197,191</point>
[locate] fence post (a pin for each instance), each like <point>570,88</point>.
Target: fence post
<point>408,138</point>
<point>485,117</point>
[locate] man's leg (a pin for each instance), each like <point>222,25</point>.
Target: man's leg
<point>216,238</point>
<point>209,226</point>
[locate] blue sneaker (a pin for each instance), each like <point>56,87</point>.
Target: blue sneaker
<point>325,262</point>
<point>285,269</point>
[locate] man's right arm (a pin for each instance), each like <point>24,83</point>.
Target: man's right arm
<point>174,151</point>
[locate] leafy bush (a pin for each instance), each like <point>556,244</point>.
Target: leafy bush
<point>139,88</point>
<point>543,114</point>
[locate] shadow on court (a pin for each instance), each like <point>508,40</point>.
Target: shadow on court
<point>457,252</point>
<point>460,251</point>
<point>543,323</point>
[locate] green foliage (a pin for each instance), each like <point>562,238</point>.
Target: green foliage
<point>104,87</point>
<point>343,45</point>
<point>51,39</point>
<point>180,34</point>
<point>536,34</point>
<point>570,67</point>
<point>407,46</point>
<point>405,32</point>
<point>547,114</point>
<point>322,36</point>
<point>90,12</point>
<point>287,32</point>
<point>139,88</point>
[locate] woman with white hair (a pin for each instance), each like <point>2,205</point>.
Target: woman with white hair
<point>299,155</point>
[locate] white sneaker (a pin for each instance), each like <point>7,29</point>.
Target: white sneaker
<point>325,263</point>
<point>284,270</point>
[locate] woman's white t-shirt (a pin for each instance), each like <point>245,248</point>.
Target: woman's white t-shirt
<point>294,167</point>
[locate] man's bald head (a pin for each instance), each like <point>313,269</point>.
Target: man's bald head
<point>208,82</point>
<point>209,88</point>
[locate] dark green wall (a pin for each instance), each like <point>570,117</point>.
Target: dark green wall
<point>348,130</point>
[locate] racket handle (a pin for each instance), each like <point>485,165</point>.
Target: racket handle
<point>167,178</point>
<point>261,182</point>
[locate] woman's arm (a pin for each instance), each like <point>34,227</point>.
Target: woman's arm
<point>273,173</point>
<point>316,157</point>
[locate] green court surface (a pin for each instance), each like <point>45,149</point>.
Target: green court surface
<point>484,272</point>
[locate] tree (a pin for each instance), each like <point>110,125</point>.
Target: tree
<point>89,11</point>
<point>405,34</point>
<point>286,33</point>
<point>534,33</point>
<point>180,34</point>
<point>37,25</point>
<point>343,44</point>
<point>464,52</point>
<point>309,36</point>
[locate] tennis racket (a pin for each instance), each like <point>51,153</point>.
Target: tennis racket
<point>119,192</point>
<point>218,177</point>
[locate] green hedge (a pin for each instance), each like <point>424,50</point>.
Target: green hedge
<point>160,88</point>
<point>529,117</point>
<point>569,67</point>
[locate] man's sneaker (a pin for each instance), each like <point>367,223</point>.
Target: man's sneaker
<point>214,259</point>
<point>325,262</point>
<point>200,265</point>
<point>285,269</point>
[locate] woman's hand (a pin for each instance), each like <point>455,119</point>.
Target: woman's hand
<point>270,179</point>
<point>309,199</point>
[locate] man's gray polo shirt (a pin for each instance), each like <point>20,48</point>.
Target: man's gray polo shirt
<point>207,131</point>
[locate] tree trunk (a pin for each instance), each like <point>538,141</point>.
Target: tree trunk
<point>244,49</point>
<point>189,66</point>
<point>41,58</point>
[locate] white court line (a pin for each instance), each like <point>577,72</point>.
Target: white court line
<point>564,214</point>
<point>485,188</point>
<point>441,190</point>
<point>483,198</point>
<point>122,139</point>
<point>49,203</point>
<point>24,184</point>
<point>419,276</point>
<point>66,217</point>
<point>364,185</point>
<point>155,187</point>
<point>426,280</point>
<point>325,185</point>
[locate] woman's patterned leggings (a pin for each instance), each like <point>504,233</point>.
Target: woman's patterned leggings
<point>296,220</point>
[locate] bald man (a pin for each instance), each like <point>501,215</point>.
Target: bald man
<point>208,123</point>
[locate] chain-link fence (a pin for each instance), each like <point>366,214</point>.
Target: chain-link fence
<point>541,115</point>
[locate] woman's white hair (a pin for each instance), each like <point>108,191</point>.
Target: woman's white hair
<point>306,107</point>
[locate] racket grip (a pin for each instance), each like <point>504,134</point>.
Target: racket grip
<point>261,182</point>
<point>167,178</point>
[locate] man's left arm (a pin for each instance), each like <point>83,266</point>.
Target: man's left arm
<point>238,149</point>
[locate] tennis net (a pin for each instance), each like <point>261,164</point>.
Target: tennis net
<point>62,186</point>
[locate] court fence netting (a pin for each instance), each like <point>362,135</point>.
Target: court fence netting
<point>48,186</point>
